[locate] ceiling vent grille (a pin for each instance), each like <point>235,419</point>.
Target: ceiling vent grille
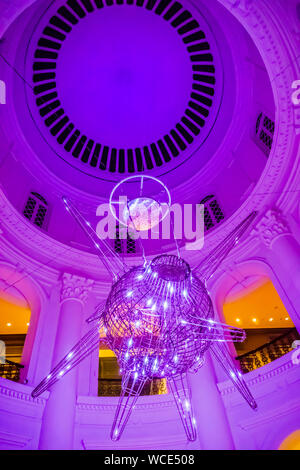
<point>98,154</point>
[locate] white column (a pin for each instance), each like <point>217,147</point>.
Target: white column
<point>283,255</point>
<point>213,428</point>
<point>57,429</point>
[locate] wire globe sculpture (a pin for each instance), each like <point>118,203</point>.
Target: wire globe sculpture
<point>150,319</point>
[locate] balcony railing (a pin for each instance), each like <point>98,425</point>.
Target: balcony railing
<point>268,352</point>
<point>10,370</point>
<point>112,387</point>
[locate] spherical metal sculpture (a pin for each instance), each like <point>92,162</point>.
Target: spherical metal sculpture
<point>150,318</point>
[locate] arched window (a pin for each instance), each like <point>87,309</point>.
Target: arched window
<point>264,132</point>
<point>119,242</point>
<point>213,213</point>
<point>36,209</point>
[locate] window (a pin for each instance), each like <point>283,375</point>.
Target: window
<point>2,92</point>
<point>213,213</point>
<point>264,132</point>
<point>36,209</point>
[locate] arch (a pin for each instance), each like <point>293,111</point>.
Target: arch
<point>35,298</point>
<point>264,133</point>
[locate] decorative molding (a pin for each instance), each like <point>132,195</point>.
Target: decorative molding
<point>271,226</point>
<point>75,288</point>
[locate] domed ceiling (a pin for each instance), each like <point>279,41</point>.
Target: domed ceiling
<point>102,90</point>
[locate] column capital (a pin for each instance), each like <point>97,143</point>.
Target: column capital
<point>75,287</point>
<point>271,226</point>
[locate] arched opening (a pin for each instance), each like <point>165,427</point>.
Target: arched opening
<point>291,442</point>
